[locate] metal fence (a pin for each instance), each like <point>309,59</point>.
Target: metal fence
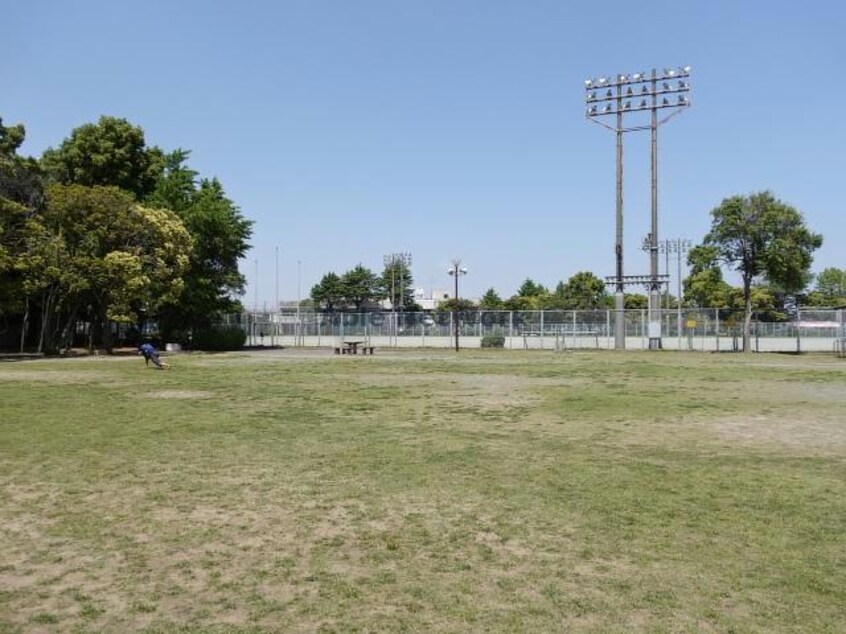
<point>688,329</point>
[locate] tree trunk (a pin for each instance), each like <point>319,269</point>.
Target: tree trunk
<point>25,324</point>
<point>108,343</point>
<point>67,332</point>
<point>747,317</point>
<point>46,320</point>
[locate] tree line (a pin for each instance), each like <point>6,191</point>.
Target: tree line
<point>763,239</point>
<point>106,231</point>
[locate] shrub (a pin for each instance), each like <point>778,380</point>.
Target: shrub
<point>493,340</point>
<point>219,338</point>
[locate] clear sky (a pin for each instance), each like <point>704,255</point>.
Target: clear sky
<point>447,128</point>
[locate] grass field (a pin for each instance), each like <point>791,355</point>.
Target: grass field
<point>490,491</point>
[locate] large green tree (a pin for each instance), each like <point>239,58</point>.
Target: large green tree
<point>103,257</point>
<point>530,296</point>
<point>830,288</point>
<point>21,199</point>
<point>328,294</point>
<point>762,237</point>
<point>220,237</point>
<point>360,286</point>
<point>491,300</point>
<point>111,152</point>
<point>397,285</point>
<point>704,286</point>
<point>583,291</point>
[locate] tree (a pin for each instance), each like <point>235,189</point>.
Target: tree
<point>21,199</point>
<point>20,177</point>
<point>397,285</point>
<point>220,236</point>
<point>108,257</point>
<point>359,286</point>
<point>110,152</point>
<point>705,287</point>
<point>831,287</point>
<point>635,301</point>
<point>531,289</point>
<point>175,187</point>
<point>583,291</point>
<point>760,236</point>
<point>530,296</point>
<point>459,305</point>
<point>328,294</point>
<point>491,301</point>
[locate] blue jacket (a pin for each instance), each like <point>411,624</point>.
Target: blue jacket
<point>147,349</point>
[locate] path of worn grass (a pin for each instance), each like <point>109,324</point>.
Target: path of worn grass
<point>501,492</point>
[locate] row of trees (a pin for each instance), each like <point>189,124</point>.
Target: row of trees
<point>361,289</point>
<point>106,230</point>
<point>762,238</point>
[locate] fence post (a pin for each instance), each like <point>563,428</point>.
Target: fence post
<point>643,329</point>
<point>574,330</point>
<point>541,332</point>
<point>717,319</point>
<point>798,321</point>
<point>607,328</point>
<point>511,329</point>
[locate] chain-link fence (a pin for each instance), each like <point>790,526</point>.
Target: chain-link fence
<point>686,329</point>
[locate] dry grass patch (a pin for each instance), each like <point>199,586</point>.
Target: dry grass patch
<point>491,492</point>
<point>179,394</point>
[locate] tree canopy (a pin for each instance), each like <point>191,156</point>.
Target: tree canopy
<point>105,230</point>
<point>110,152</point>
<point>830,288</point>
<point>762,237</point>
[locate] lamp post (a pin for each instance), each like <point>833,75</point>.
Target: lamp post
<point>455,270</point>
<point>615,95</point>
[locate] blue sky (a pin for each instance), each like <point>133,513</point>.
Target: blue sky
<point>447,128</point>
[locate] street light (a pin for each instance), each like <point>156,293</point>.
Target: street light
<point>455,270</point>
<point>674,82</point>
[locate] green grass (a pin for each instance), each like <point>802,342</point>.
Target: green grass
<point>490,491</point>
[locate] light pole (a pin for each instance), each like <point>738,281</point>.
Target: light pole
<point>275,323</point>
<point>299,301</point>
<point>455,270</point>
<point>614,95</point>
<point>394,261</point>
<point>679,246</point>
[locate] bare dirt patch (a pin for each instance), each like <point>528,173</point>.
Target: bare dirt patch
<point>818,435</point>
<point>52,376</point>
<point>483,390</point>
<point>179,394</point>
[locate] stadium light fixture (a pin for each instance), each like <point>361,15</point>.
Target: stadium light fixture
<point>668,96</point>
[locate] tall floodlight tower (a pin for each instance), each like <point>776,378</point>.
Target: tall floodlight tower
<point>617,96</point>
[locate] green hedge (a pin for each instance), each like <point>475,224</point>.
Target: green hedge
<point>219,338</point>
<point>495,340</point>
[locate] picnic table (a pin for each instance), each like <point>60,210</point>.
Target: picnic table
<point>352,346</point>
